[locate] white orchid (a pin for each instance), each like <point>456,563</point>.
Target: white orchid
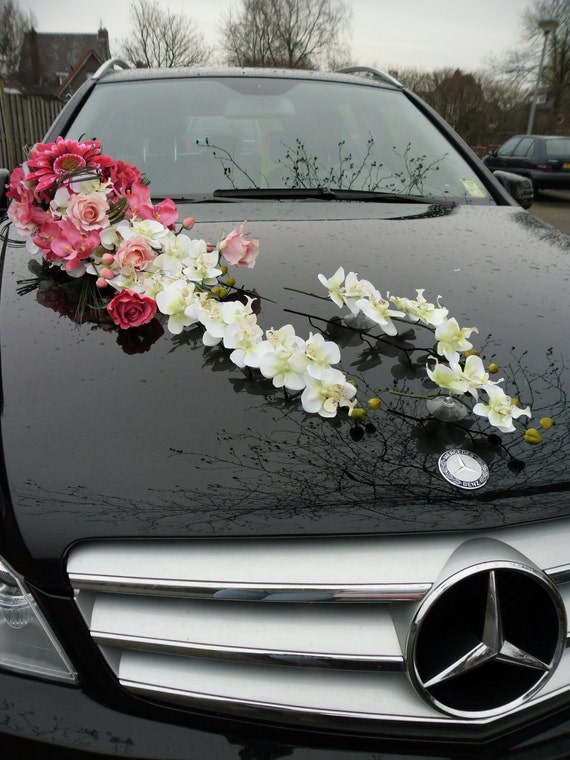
<point>500,409</point>
<point>421,310</point>
<point>245,336</point>
<point>202,265</point>
<point>448,377</point>
<point>286,360</point>
<point>173,301</point>
<point>326,390</point>
<point>355,290</point>
<point>321,352</point>
<point>334,285</point>
<point>452,339</point>
<point>378,310</point>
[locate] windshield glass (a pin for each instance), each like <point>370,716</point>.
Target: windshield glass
<point>195,135</point>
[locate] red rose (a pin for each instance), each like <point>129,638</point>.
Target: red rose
<point>131,309</point>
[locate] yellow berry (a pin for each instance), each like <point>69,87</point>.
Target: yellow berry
<point>374,403</point>
<point>223,269</point>
<point>531,435</point>
<point>546,422</point>
<point>493,368</point>
<point>231,281</point>
<point>219,291</point>
<point>358,413</point>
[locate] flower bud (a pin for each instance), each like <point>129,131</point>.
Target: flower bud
<point>374,403</point>
<point>231,281</point>
<point>531,435</point>
<point>107,258</point>
<point>358,413</point>
<point>107,273</point>
<point>223,269</point>
<point>493,368</point>
<point>219,291</point>
<point>188,223</point>
<point>101,282</point>
<point>546,423</point>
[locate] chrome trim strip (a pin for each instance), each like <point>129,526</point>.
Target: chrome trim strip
<point>559,575</point>
<point>214,701</point>
<point>253,656</point>
<point>251,592</point>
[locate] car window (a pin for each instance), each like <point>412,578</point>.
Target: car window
<point>508,148</point>
<point>196,135</point>
<point>558,147</point>
<point>525,147</point>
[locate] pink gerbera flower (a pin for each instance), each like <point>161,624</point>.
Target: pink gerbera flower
<point>51,162</point>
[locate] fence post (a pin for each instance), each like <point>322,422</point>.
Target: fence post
<point>6,137</point>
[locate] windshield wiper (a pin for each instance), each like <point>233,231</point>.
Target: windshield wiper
<point>320,193</point>
<point>198,198</point>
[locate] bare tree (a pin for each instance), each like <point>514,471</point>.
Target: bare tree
<point>481,107</point>
<point>13,23</point>
<point>520,67</point>
<point>162,38</point>
<point>297,34</point>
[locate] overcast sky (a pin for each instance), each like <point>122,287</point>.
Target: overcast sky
<point>390,34</point>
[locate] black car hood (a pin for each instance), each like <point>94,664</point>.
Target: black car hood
<point>107,438</point>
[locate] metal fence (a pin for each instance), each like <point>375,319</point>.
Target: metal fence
<point>24,119</point>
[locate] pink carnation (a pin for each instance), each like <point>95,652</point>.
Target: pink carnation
<point>239,251</point>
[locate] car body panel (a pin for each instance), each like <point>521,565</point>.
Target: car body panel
<point>158,482</point>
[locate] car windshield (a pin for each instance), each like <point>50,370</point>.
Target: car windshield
<point>195,135</point>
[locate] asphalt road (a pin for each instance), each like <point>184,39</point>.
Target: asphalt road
<point>553,206</point>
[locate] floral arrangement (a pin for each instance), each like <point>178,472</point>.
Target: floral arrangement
<point>90,215</point>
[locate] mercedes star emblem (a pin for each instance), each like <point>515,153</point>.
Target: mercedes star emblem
<point>486,639</point>
<point>464,469</point>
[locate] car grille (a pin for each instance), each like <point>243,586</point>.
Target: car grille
<point>335,628</point>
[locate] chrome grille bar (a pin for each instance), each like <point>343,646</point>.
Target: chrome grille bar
<point>253,656</point>
<point>251,592</point>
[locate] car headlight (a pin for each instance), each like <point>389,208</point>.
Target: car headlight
<point>27,645</point>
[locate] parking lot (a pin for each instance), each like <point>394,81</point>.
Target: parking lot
<point>554,207</point>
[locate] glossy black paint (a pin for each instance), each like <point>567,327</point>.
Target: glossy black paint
<point>100,442</point>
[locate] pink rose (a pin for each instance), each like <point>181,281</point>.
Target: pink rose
<point>131,309</point>
<point>88,212</point>
<point>135,254</point>
<point>239,251</point>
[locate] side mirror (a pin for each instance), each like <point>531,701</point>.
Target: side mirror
<point>519,187</point>
<point>4,177</point>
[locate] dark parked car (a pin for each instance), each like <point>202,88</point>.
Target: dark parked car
<point>544,159</point>
<point>290,487</point>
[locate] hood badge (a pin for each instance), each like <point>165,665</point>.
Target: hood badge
<point>463,469</point>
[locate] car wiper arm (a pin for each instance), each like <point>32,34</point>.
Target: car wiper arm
<point>320,193</point>
<point>198,198</point>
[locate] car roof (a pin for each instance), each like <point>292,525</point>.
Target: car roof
<point>356,75</point>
